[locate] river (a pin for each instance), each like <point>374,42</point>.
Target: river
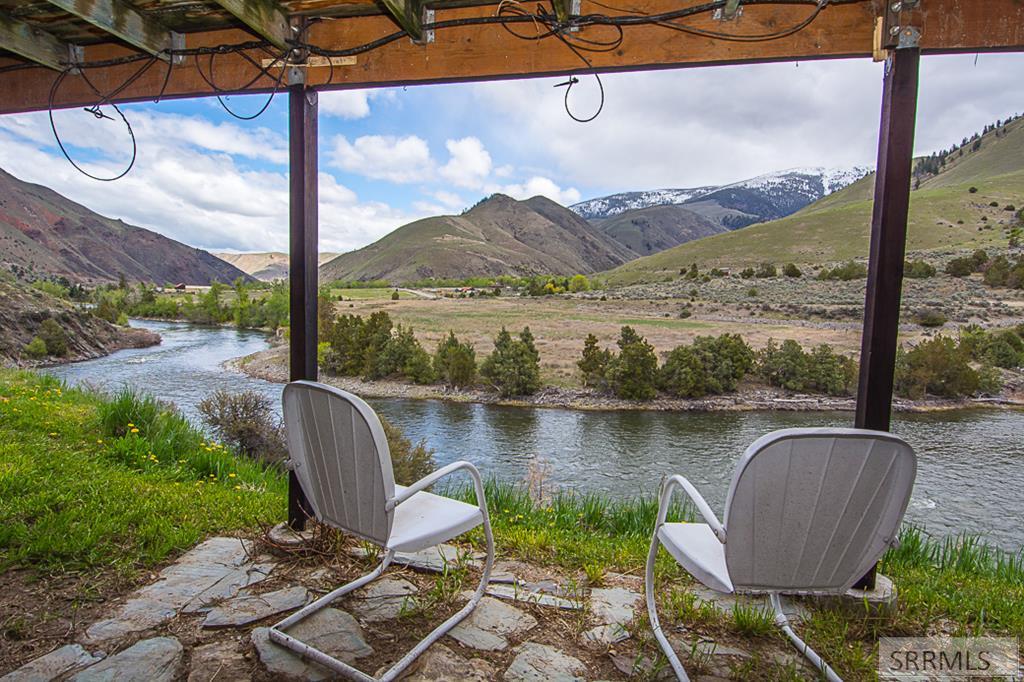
<point>970,463</point>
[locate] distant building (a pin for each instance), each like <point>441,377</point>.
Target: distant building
<point>180,286</point>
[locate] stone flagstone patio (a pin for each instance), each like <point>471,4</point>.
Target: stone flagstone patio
<point>206,616</point>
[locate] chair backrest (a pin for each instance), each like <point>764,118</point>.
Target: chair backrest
<point>812,510</point>
<point>340,455</point>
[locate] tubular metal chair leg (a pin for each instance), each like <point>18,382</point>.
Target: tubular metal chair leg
<point>783,623</point>
<point>277,635</point>
<point>652,612</point>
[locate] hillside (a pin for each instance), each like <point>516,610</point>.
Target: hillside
<point>944,215</point>
<point>267,266</point>
<point>496,237</point>
<point>23,309</point>
<point>656,228</point>
<point>42,232</point>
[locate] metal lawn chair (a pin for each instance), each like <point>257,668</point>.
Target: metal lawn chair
<point>809,511</point>
<point>339,453</point>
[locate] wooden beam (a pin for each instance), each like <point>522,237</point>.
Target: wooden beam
<point>488,52</point>
<point>880,339</point>
<point>303,262</point>
<point>266,18</point>
<point>35,44</point>
<point>125,22</point>
<point>408,14</point>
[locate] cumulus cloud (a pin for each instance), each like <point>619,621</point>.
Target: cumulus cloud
<point>469,163</point>
<point>538,185</point>
<point>384,157</point>
<point>348,104</point>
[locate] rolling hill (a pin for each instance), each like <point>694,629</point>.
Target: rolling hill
<point>43,232</point>
<point>496,237</point>
<point>265,266</point>
<point>649,230</point>
<point>944,215</point>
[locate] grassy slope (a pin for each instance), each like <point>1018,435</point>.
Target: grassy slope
<point>74,497</point>
<point>838,227</point>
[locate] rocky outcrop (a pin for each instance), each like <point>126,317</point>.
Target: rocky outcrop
<point>23,310</point>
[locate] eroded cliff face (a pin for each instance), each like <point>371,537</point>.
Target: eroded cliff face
<point>23,310</point>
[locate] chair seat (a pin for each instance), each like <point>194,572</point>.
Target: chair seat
<point>696,547</point>
<point>425,520</point>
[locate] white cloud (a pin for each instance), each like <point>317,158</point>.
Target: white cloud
<point>469,163</point>
<point>383,157</point>
<point>538,185</point>
<point>349,104</point>
<point>449,200</point>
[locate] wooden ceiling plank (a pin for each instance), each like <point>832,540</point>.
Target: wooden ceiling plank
<point>35,44</point>
<point>119,19</point>
<point>266,18</point>
<point>408,14</point>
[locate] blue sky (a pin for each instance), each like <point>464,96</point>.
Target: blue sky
<point>394,155</point>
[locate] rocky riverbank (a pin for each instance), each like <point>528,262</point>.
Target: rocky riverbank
<point>272,365</point>
<point>23,311</point>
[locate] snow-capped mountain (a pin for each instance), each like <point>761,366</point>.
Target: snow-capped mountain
<point>765,197</point>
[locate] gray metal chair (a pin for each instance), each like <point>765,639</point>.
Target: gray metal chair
<point>340,455</point>
<point>809,511</point>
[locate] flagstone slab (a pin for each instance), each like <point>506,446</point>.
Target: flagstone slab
<point>229,586</point>
<point>441,664</point>
<point>606,635</point>
<point>219,662</point>
<point>522,594</point>
<point>151,660</point>
<point>613,605</point>
<point>197,571</point>
<point>251,608</point>
<point>282,535</point>
<point>383,599</point>
<point>491,624</point>
<point>332,631</point>
<point>542,663</point>
<point>57,663</point>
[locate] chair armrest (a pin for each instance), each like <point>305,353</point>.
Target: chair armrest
<point>432,478</point>
<point>698,500</point>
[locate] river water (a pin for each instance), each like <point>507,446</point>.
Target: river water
<point>970,463</point>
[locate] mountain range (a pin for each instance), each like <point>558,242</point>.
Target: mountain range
<point>971,202</point>
<point>266,266</point>
<point>45,233</point>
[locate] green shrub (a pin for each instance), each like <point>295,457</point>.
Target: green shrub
<point>692,273</point>
<point>403,355</point>
<point>980,258</point>
<point>747,273</point>
<point>822,370</point>
<point>1002,272</point>
<point>36,348</point>
<point>122,320</point>
<point>409,462</point>
<point>791,270</point>
<point>938,366</point>
<point>960,267</point>
<point>578,283</point>
<point>54,336</point>
<point>455,362</point>
<point>513,367</point>
<point>683,374</point>
<point>831,373</point>
<point>766,270</point>
<point>784,366</point>
<point>1003,349</point>
<point>143,425</point>
<point>930,318</point>
<point>394,295</point>
<point>245,421</point>
<point>918,269</point>
<point>633,373</point>
<point>594,363</point>
<point>710,365</point>
<point>846,272</point>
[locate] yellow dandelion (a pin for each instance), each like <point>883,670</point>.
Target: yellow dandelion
<point>231,475</point>
<point>52,433</point>
<point>99,441</point>
<point>238,487</point>
<point>130,425</point>
<point>134,430</point>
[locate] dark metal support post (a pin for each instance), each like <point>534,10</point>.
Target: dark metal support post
<point>302,262</point>
<point>888,245</point>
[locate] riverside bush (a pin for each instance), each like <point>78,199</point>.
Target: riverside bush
<point>513,367</point>
<point>455,362</point>
<point>822,370</point>
<point>54,336</point>
<point>593,364</point>
<point>403,355</point>
<point>409,462</point>
<point>245,421</point>
<point>633,372</point>
<point>709,366</point>
<point>940,367</point>
<point>36,348</point>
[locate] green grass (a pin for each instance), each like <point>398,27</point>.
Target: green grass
<point>378,294</point>
<point>91,482</point>
<point>82,489</point>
